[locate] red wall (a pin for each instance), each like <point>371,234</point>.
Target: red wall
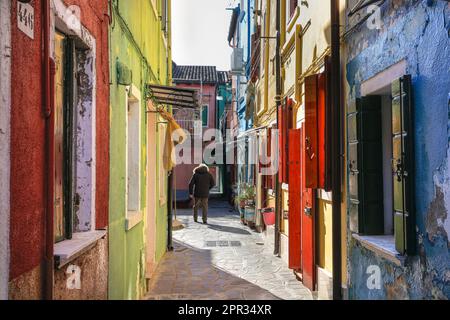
<point>94,16</point>
<point>27,234</point>
<point>27,150</point>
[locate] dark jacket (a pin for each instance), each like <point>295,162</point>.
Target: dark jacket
<point>201,182</point>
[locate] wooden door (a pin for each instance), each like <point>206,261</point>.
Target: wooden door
<point>295,198</point>
<point>59,137</point>
<point>307,227</point>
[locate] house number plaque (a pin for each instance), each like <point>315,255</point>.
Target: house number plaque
<point>25,19</point>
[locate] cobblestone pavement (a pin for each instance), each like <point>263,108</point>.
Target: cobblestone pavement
<point>223,260</point>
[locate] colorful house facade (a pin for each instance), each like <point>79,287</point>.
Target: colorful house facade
<point>201,125</point>
<point>303,237</point>
<point>306,74</point>
<point>397,193</point>
<point>140,40</point>
<point>56,160</point>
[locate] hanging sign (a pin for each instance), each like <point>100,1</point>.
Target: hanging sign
<point>25,19</point>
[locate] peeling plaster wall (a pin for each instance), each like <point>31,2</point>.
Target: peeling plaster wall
<point>5,138</point>
<point>85,278</point>
<point>27,223</point>
<point>419,33</point>
<point>85,142</point>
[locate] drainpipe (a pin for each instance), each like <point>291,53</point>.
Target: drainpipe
<point>169,211</point>
<point>336,148</point>
<point>278,202</point>
<point>48,71</point>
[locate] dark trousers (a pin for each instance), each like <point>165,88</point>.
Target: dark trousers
<point>203,204</point>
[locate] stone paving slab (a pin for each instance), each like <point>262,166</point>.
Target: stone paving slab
<point>196,270</point>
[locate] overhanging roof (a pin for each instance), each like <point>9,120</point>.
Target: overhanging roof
<point>173,96</point>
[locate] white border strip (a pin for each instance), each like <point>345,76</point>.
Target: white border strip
<point>5,140</point>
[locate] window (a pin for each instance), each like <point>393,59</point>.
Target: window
<point>63,186</point>
<point>133,151</point>
<point>164,17</point>
<point>291,7</point>
<point>381,168</point>
<point>205,115</point>
<point>74,137</point>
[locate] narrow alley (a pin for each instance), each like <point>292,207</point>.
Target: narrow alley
<point>222,260</point>
<point>313,136</point>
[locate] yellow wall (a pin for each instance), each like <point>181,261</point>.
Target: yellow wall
<point>325,241</point>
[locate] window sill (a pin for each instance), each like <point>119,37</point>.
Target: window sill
<point>81,242</point>
<point>383,246</point>
<point>133,219</point>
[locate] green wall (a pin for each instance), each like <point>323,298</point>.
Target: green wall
<point>137,41</point>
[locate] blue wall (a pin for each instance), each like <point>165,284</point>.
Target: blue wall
<point>418,32</point>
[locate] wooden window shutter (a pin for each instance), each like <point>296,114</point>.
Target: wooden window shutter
<point>281,138</point>
<point>311,131</point>
<point>286,120</point>
<point>272,178</point>
<point>328,125</point>
<point>403,166</point>
<point>353,165</point>
<point>267,179</point>
<point>289,121</point>
<point>318,130</point>
<point>295,198</point>
<point>365,167</point>
<point>321,129</point>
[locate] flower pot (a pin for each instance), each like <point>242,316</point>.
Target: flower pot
<point>250,214</point>
<point>268,216</point>
<point>242,214</point>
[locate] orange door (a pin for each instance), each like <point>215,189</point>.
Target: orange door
<point>295,198</point>
<point>307,230</point>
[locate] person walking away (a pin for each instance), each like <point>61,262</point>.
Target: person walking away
<point>200,185</point>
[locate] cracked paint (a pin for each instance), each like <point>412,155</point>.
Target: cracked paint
<point>419,34</point>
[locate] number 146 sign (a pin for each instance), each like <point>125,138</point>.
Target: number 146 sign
<point>25,19</point>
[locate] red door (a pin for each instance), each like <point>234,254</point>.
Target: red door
<point>312,152</point>
<point>307,230</point>
<point>295,198</point>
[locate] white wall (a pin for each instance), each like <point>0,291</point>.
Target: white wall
<point>5,136</point>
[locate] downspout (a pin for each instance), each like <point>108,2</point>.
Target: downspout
<point>171,173</point>
<point>278,202</point>
<point>169,210</point>
<point>48,72</point>
<point>336,148</point>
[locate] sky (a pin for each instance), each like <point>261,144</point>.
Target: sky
<point>200,31</point>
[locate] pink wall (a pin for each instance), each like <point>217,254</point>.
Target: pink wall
<point>183,172</point>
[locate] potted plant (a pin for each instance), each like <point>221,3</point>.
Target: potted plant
<point>240,202</point>
<point>250,197</point>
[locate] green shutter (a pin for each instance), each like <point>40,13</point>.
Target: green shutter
<point>68,161</point>
<point>403,166</point>
<point>353,172</point>
<point>205,116</point>
<point>365,166</point>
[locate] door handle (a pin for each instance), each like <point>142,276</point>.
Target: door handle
<point>309,149</point>
<point>308,211</point>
